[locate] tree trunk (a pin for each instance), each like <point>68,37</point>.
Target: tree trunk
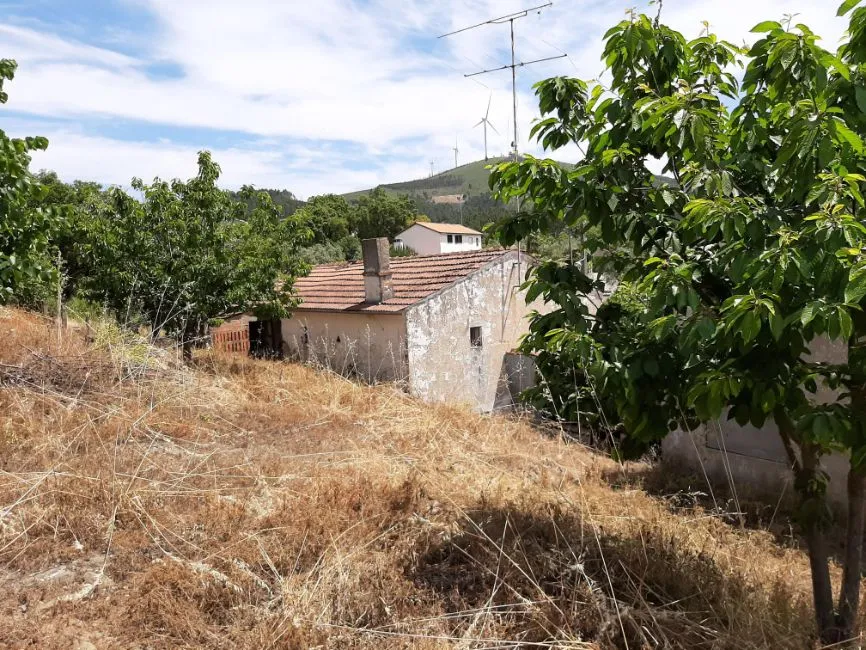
<point>849,595</point>
<point>848,618</point>
<point>187,340</point>
<point>813,513</point>
<point>822,588</point>
<point>813,505</point>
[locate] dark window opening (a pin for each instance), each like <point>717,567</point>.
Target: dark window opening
<point>450,239</point>
<point>458,239</point>
<point>266,339</point>
<point>475,337</point>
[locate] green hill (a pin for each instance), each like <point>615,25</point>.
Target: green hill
<point>470,179</point>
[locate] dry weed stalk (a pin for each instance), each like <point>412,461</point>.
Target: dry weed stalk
<point>252,504</point>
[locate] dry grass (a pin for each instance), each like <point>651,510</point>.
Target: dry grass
<point>252,504</point>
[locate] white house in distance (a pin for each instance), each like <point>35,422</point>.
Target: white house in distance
<point>427,238</point>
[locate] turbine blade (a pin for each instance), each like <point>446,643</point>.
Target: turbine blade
<point>490,124</point>
<point>489,99</point>
<point>480,122</point>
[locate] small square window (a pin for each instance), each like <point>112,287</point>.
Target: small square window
<point>450,239</point>
<point>458,239</point>
<point>475,337</point>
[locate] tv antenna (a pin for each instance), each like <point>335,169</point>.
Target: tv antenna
<point>487,123</point>
<point>455,150</point>
<point>509,18</point>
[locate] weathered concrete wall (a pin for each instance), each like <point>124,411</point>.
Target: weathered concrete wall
<point>519,373</point>
<point>444,364</point>
<point>370,346</point>
<point>752,460</point>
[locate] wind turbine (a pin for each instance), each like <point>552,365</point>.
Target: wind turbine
<point>487,123</point>
<point>455,152</point>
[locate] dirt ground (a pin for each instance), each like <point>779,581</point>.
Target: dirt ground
<point>253,504</point>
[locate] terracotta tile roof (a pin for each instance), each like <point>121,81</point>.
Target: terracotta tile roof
<point>448,228</point>
<point>340,287</point>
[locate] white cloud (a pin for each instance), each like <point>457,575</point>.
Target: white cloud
<point>370,74</point>
<point>78,156</point>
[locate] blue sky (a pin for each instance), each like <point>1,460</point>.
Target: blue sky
<point>314,97</point>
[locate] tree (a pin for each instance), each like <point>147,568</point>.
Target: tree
<point>382,215</point>
<point>189,253</point>
<point>329,216</point>
<point>283,199</point>
<point>756,251</point>
<point>26,265</point>
<point>79,202</point>
<point>333,223</point>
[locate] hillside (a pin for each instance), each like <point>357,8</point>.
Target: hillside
<point>470,179</point>
<point>251,504</point>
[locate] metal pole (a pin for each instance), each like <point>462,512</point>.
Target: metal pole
<point>514,87</point>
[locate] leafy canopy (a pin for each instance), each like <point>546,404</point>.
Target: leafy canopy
<point>189,252</point>
<point>751,254</point>
<point>379,214</point>
<point>25,225</point>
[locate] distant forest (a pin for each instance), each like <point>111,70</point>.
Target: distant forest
<point>430,183</point>
<point>476,212</point>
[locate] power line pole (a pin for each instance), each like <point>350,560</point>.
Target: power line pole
<point>509,18</point>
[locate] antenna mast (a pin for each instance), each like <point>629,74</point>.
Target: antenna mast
<point>509,18</point>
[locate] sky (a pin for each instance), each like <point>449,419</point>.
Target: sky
<point>310,96</point>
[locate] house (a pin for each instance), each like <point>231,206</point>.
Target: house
<point>448,199</point>
<point>443,325</point>
<point>435,238</point>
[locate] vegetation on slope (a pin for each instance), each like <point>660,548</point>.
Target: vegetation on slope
<point>245,504</point>
<point>470,179</point>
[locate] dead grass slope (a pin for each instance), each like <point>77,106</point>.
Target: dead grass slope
<point>264,505</point>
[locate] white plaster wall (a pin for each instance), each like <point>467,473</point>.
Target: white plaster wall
<point>470,243</point>
<point>371,346</point>
<point>422,240</point>
<point>443,365</point>
<point>428,242</point>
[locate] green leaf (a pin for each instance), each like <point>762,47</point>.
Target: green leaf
<point>668,197</point>
<point>860,96</point>
<point>750,326</point>
<point>809,312</point>
<point>856,287</point>
<point>847,6</point>
<point>845,134</point>
<point>777,326</point>
<point>766,26</point>
<point>846,324</point>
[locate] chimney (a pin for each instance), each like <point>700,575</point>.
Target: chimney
<point>377,270</point>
